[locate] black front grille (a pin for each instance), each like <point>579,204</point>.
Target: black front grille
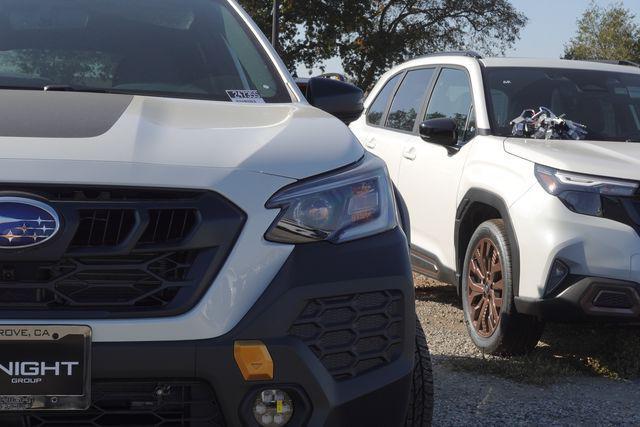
<point>142,404</point>
<point>120,253</point>
<point>353,334</point>
<point>103,227</point>
<point>168,225</point>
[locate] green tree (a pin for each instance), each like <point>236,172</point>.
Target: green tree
<point>370,36</point>
<point>606,34</point>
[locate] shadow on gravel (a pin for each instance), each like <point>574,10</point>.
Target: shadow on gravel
<point>609,351</point>
<point>438,293</point>
<point>593,349</point>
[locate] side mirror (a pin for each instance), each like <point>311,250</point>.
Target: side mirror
<point>440,131</point>
<point>340,99</point>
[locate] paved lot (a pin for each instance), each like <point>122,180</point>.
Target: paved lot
<point>578,375</point>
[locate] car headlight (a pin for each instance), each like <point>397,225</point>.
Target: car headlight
<point>583,193</point>
<point>350,204</point>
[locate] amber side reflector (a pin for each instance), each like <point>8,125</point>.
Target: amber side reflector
<point>254,360</point>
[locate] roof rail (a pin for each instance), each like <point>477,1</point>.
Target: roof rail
<point>467,53</point>
<point>616,62</point>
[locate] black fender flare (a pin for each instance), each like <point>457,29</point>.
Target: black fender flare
<point>477,195</point>
<point>403,213</point>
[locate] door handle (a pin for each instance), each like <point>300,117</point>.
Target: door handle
<point>371,143</point>
<point>410,154</point>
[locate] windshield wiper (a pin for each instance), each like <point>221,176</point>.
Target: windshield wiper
<point>69,88</point>
<point>633,138</point>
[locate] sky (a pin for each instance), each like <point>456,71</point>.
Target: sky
<point>552,23</point>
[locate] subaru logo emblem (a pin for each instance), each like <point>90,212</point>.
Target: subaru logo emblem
<point>26,222</point>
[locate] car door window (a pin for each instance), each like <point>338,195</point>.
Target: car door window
<point>409,100</point>
<point>470,130</point>
<point>452,99</point>
<point>379,106</point>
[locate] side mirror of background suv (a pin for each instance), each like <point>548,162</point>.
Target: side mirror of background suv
<point>440,131</point>
<point>340,99</point>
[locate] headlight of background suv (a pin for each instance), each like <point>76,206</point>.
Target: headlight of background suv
<point>583,193</point>
<point>349,204</point>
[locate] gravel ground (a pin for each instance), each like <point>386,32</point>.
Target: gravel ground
<point>574,377</point>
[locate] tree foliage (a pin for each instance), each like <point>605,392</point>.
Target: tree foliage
<point>606,34</point>
<point>370,36</point>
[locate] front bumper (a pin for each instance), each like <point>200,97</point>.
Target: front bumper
<point>354,276</point>
<point>591,247</point>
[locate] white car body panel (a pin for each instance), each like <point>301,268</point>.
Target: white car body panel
<point>432,198</point>
<point>267,138</point>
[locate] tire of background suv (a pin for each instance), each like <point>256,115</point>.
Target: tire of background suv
<point>487,296</point>
<point>420,412</point>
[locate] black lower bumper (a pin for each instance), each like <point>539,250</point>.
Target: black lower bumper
<point>323,274</point>
<point>587,299</point>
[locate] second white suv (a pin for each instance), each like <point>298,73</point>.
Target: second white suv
<point>534,216</point>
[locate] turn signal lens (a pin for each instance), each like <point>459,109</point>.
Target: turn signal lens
<point>254,360</point>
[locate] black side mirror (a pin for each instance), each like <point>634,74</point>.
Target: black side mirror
<point>440,131</point>
<point>340,99</point>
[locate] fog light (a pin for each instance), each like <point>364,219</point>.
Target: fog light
<point>273,408</point>
<point>559,272</point>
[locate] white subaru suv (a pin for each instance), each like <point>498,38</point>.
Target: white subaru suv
<point>521,178</point>
<point>184,239</point>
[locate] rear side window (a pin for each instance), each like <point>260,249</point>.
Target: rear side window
<point>377,109</point>
<point>408,101</point>
<point>451,98</point>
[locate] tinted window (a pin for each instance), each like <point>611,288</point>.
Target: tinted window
<point>186,48</point>
<point>607,103</point>
<point>408,101</point>
<point>451,98</point>
<point>377,109</point>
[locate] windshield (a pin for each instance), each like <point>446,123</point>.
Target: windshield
<point>607,104</point>
<point>177,48</point>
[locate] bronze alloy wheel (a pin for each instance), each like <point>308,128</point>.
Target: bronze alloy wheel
<point>485,288</point>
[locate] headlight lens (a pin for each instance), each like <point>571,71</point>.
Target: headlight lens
<point>583,193</point>
<point>351,204</point>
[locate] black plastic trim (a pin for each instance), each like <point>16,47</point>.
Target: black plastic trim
<point>476,195</point>
<point>426,263</point>
<point>403,212</point>
<point>466,53</point>
<point>575,302</point>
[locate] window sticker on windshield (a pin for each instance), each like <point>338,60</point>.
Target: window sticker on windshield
<point>245,96</point>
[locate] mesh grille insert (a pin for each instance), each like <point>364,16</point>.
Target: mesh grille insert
<point>353,334</point>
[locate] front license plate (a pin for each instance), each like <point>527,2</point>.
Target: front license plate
<point>45,367</point>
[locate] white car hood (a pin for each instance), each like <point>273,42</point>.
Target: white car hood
<point>287,140</point>
<point>611,159</point>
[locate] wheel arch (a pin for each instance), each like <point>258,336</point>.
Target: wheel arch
<point>476,207</point>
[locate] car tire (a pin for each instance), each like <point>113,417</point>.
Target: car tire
<point>487,296</point>
<point>420,412</point>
